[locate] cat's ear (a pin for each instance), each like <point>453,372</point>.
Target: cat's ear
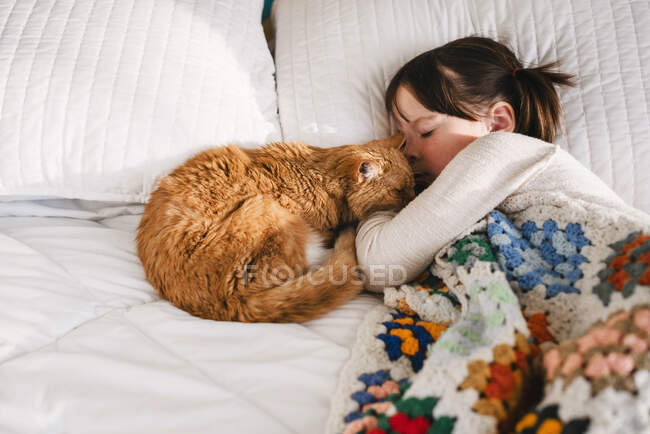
<point>393,142</point>
<point>367,169</point>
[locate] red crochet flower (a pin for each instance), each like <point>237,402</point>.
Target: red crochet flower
<point>401,423</point>
<point>502,382</point>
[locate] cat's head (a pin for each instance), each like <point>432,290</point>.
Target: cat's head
<point>378,177</point>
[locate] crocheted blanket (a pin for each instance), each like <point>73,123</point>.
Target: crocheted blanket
<point>536,320</point>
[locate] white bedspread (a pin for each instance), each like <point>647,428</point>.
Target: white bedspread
<point>86,345</point>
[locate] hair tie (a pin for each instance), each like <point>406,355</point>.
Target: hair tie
<point>514,72</point>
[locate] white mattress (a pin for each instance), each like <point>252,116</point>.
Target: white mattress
<point>86,345</point>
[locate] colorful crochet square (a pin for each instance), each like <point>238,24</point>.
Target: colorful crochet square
<point>538,327</point>
<point>472,248</point>
<point>505,383</point>
<point>627,268</point>
<point>549,256</point>
<point>410,337</point>
<point>431,284</point>
<point>608,355</point>
<point>383,410</point>
<point>428,280</point>
<point>547,421</point>
<point>379,393</point>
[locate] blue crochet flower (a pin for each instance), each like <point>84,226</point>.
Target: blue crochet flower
<point>413,327</point>
<point>534,256</point>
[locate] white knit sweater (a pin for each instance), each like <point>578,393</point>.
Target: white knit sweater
<point>395,248</point>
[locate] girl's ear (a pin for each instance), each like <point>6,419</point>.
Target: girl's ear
<point>501,117</point>
<point>366,170</point>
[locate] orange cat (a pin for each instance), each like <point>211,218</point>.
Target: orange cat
<point>226,235</point>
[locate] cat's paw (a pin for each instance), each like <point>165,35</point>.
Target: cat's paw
<point>345,251</point>
<point>345,241</point>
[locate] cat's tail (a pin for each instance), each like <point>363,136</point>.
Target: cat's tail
<point>314,293</point>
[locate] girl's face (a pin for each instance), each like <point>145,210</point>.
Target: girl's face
<point>432,138</point>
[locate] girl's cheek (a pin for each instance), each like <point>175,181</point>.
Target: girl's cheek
<point>432,151</point>
<point>433,162</point>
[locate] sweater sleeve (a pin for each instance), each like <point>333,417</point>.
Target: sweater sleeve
<point>394,248</point>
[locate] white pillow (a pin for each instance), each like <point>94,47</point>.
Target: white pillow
<point>335,58</point>
<point>101,97</point>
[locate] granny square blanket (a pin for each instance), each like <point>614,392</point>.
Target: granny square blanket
<point>536,320</point>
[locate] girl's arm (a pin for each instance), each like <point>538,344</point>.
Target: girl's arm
<point>395,248</point>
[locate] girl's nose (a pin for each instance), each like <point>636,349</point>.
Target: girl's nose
<point>410,149</point>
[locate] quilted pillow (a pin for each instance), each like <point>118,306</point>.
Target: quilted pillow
<point>101,97</point>
<point>334,59</point>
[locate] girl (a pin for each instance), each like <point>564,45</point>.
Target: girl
<point>478,128</point>
<point>445,99</point>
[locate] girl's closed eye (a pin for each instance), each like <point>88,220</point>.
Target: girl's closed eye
<point>427,134</point>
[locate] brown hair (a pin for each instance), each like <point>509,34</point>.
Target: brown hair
<point>464,77</point>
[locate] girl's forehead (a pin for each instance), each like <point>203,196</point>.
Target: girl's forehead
<point>407,108</point>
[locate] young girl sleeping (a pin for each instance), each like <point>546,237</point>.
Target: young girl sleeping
<point>478,128</point>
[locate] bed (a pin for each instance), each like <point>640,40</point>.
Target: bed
<point>101,98</point>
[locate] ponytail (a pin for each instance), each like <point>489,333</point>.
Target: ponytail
<point>539,113</point>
